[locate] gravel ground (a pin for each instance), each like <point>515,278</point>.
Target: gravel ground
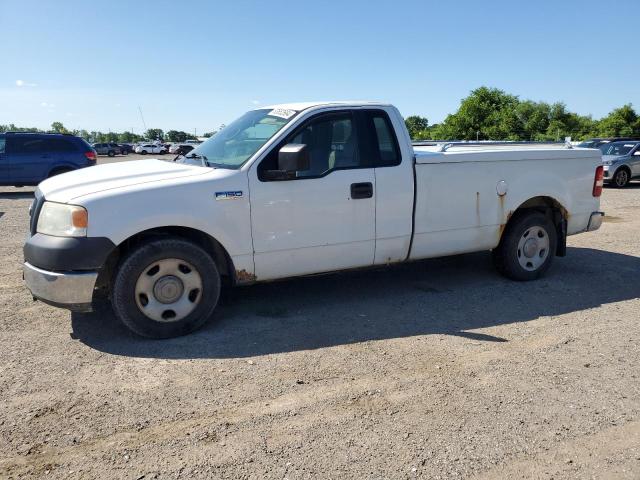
<point>437,369</point>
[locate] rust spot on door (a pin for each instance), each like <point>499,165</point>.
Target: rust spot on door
<point>245,277</point>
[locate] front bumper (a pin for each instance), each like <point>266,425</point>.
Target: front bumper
<point>595,221</point>
<point>71,290</point>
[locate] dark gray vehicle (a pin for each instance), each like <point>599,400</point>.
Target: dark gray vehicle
<point>621,162</point>
<point>111,149</point>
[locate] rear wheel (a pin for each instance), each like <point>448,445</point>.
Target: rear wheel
<point>166,288</point>
<point>527,247</point>
<point>621,178</point>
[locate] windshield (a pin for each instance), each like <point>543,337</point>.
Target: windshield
<point>237,142</point>
<point>617,148</point>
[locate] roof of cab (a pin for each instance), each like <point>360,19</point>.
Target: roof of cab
<point>299,106</point>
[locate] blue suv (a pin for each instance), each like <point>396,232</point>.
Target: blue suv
<point>29,158</point>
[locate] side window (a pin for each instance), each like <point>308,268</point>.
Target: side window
<point>388,152</point>
<point>59,145</point>
<point>331,141</point>
<point>26,145</point>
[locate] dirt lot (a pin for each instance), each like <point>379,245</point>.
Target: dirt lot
<point>438,369</point>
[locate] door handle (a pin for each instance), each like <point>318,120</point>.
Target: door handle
<point>361,190</point>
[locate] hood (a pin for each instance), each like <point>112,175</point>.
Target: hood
<point>64,188</point>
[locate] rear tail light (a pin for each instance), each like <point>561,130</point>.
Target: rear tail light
<point>91,156</point>
<point>598,182</point>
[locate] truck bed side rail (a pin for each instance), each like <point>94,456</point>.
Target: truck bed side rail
<point>444,146</point>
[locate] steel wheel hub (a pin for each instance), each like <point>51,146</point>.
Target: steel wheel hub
<point>533,248</point>
<point>168,290</point>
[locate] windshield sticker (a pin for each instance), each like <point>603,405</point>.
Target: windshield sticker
<point>285,113</point>
<point>235,195</point>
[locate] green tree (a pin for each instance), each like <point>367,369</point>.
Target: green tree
<point>621,122</point>
<point>177,136</point>
<point>154,134</point>
<point>128,137</point>
<point>58,127</point>
<point>416,125</point>
<point>209,134</point>
<point>487,113</point>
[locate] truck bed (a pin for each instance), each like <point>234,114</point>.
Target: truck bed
<point>461,205</point>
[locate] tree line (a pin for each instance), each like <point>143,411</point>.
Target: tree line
<point>486,114</point>
<point>111,137</point>
<point>492,114</point>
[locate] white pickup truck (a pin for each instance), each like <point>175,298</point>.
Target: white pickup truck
<point>293,190</point>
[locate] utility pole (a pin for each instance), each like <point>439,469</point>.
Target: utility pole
<point>478,136</point>
<point>142,117</point>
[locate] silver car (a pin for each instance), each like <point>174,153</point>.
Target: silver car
<point>621,162</point>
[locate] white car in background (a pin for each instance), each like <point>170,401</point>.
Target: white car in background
<point>150,148</point>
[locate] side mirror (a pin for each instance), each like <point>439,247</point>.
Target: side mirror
<point>292,158</point>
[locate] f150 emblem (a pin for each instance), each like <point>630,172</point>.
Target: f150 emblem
<point>234,195</point>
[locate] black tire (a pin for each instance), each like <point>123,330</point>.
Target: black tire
<point>140,262</point>
<point>509,257</point>
<point>59,171</point>
<point>111,153</point>
<point>143,152</point>
<point>621,178</point>
<point>124,152</point>
<point>162,152</point>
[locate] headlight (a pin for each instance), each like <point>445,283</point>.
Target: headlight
<point>607,162</point>
<point>62,220</point>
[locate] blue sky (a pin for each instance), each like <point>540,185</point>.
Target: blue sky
<point>196,64</point>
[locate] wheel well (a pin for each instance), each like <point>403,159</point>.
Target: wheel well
<point>553,210</point>
<point>59,170</point>
<point>624,167</point>
<point>207,242</point>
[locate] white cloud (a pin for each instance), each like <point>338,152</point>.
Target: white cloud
<point>22,83</point>
<point>256,102</point>
<point>44,104</point>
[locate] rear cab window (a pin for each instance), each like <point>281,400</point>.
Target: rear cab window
<point>387,151</point>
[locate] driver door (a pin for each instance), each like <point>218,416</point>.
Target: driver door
<point>324,218</point>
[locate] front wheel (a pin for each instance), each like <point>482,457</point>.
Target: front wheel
<point>621,178</point>
<point>111,153</point>
<point>527,247</point>
<point>143,152</point>
<point>166,288</point>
